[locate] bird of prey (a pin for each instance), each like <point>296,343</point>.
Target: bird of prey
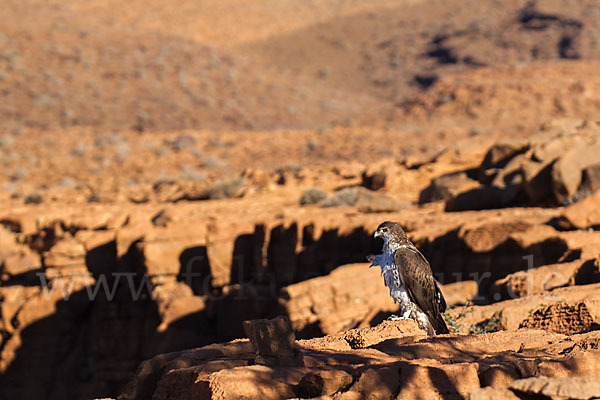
<point>408,275</point>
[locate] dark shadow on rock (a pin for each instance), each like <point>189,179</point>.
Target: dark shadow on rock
<point>87,348</point>
<point>102,259</point>
<point>310,331</point>
<point>189,331</point>
<point>27,278</point>
<point>247,258</point>
<point>332,249</point>
<point>379,318</point>
<point>588,273</point>
<point>484,198</point>
<point>453,261</point>
<point>194,269</point>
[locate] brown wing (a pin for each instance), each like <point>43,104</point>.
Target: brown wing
<point>421,286</point>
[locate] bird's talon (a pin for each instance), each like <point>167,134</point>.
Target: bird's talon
<point>395,318</point>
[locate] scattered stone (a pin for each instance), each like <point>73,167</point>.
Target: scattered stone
<point>500,154</point>
<point>343,197</point>
<point>34,198</point>
<point>122,151</point>
<point>573,387</point>
<point>373,180</point>
<point>17,174</point>
<point>552,168</point>
<point>364,200</point>
<point>67,183</point>
<point>6,141</point>
<point>162,218</point>
<point>446,187</point>
<point>181,142</point>
<point>590,179</point>
<point>567,171</point>
<point>582,215</point>
<point>225,189</point>
<point>192,174</point>
<point>213,162</point>
<point>371,202</point>
<point>274,341</point>
<point>79,150</point>
<point>168,191</point>
<point>312,196</point>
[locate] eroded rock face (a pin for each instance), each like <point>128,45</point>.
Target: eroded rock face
<point>565,310</point>
<point>187,281</point>
<point>391,362</point>
<point>555,167</point>
<point>166,277</point>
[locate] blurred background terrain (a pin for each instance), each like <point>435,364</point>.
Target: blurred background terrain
<point>258,145</point>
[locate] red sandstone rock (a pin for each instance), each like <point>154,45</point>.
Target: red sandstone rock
<point>585,387</point>
<point>583,214</point>
<point>324,300</point>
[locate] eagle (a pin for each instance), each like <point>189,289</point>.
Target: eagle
<point>408,275</point>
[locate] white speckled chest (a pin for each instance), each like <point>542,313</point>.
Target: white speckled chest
<point>392,278</point>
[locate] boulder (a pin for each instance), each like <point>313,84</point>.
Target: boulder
<point>374,180</point>
<point>322,383</point>
<point>536,180</point>
<point>552,168</point>
<point>371,202</point>
<point>590,179</point>
<point>274,341</point>
<point>567,170</point>
<point>536,280</point>
<point>582,215</point>
<point>574,387</point>
<point>501,153</point>
<point>366,201</point>
<point>447,186</point>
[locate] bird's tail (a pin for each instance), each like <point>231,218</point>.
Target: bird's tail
<point>439,325</point>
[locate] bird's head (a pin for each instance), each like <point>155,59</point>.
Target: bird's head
<point>390,231</point>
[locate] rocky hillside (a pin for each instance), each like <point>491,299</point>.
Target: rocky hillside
<point>308,65</point>
<point>109,281</point>
<point>170,172</point>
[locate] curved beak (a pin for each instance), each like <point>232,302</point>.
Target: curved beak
<point>376,234</point>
